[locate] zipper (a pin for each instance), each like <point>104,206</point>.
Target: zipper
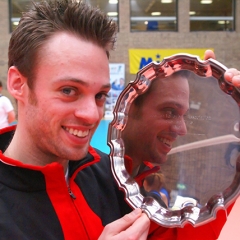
<point>67,182</point>
<point>71,193</point>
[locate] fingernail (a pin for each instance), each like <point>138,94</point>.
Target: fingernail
<point>230,74</point>
<point>237,82</point>
<point>137,211</point>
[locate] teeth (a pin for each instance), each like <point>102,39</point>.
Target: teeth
<point>75,132</point>
<point>78,133</point>
<point>165,141</point>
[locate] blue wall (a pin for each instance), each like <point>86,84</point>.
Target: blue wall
<point>99,139</point>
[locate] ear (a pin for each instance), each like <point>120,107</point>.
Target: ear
<point>17,84</point>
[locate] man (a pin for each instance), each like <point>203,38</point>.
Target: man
<point>7,114</point>
<point>156,119</point>
<point>52,184</point>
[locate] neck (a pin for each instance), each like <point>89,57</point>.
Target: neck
<point>31,154</point>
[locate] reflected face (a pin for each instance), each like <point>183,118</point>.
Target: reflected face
<point>155,123</point>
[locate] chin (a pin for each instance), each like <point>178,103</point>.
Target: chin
<point>161,159</point>
<point>77,155</point>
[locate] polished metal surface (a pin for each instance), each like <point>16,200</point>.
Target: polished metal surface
<point>190,136</point>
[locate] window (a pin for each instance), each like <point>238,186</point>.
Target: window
<point>110,7</point>
<point>16,7</point>
<point>212,15</point>
<point>154,15</point>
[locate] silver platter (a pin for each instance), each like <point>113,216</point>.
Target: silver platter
<point>200,160</point>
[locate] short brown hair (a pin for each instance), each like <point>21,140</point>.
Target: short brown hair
<point>155,181</point>
<point>137,104</point>
<point>48,17</point>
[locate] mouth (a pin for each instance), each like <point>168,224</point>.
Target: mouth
<point>76,132</point>
<point>167,142</point>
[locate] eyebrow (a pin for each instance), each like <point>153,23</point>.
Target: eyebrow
<point>176,105</point>
<point>84,83</point>
<point>173,103</point>
<point>106,86</point>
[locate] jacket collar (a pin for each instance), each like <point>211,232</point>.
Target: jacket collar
<point>6,135</point>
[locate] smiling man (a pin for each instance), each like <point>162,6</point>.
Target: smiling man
<point>64,107</point>
<point>53,185</point>
<point>156,120</point>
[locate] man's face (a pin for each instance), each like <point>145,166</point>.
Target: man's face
<point>152,129</point>
<point>67,102</point>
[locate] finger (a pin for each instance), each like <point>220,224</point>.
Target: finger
<point>128,219</point>
<point>209,54</point>
<point>121,224</point>
<point>233,75</point>
<point>142,223</point>
<point>236,81</point>
<point>138,230</point>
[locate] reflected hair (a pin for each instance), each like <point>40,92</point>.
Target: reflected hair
<point>138,102</point>
<point>48,17</point>
<point>155,181</point>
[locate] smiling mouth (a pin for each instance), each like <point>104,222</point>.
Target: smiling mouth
<point>76,132</point>
<point>166,142</point>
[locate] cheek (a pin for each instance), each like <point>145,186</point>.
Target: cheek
<point>101,111</point>
<point>48,113</point>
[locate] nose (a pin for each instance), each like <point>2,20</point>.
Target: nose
<point>88,111</point>
<point>179,126</point>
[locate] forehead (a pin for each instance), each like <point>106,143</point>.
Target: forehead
<point>70,45</point>
<point>65,54</point>
<point>162,93</point>
<point>168,89</point>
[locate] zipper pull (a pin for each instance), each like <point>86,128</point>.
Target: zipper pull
<point>71,193</point>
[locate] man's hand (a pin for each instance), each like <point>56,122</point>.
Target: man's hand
<point>134,225</point>
<point>231,75</point>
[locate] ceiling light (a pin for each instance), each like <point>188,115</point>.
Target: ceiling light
<point>112,14</point>
<point>166,1</point>
<point>113,1</point>
<point>155,13</point>
<point>221,22</point>
<point>192,13</point>
<point>206,1</point>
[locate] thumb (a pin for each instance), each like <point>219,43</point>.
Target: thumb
<point>209,54</point>
<point>128,219</point>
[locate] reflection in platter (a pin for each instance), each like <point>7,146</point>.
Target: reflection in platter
<point>174,141</point>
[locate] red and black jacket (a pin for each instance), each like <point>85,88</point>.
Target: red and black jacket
<point>36,202</point>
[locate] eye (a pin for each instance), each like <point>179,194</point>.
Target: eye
<point>170,113</point>
<point>102,96</point>
<point>69,91</point>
